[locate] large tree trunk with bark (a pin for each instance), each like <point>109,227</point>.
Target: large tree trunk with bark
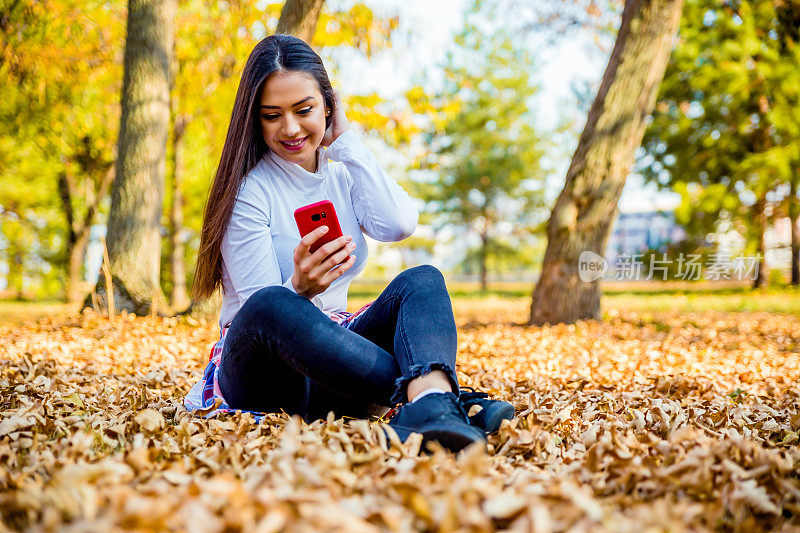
<point>134,225</point>
<point>584,211</point>
<point>794,214</point>
<point>299,18</point>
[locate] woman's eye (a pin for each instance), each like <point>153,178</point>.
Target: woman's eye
<point>305,111</point>
<point>269,117</point>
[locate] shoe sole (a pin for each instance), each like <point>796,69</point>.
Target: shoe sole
<point>451,440</point>
<point>454,442</point>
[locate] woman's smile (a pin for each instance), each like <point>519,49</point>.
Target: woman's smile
<point>295,145</point>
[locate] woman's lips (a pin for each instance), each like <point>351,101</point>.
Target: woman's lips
<point>296,145</point>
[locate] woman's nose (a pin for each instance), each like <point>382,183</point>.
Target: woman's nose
<point>290,126</point>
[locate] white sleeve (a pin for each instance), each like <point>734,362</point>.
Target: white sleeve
<point>383,208</point>
<point>248,252</point>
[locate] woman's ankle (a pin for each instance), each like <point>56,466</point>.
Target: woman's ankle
<point>435,379</point>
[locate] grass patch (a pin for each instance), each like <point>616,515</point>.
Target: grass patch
<point>19,311</point>
<point>741,300</point>
<point>641,297</point>
<point>644,297</point>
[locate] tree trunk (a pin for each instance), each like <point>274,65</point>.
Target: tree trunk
<point>134,225</point>
<point>179,299</point>
<point>299,18</point>
<point>582,216</point>
<point>15,276</point>
<point>794,213</point>
<point>482,258</point>
<point>759,210</point>
<point>78,230</point>
<point>76,256</point>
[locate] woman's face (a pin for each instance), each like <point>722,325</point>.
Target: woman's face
<point>292,117</point>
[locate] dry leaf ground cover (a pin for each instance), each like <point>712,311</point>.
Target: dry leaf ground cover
<point>647,421</point>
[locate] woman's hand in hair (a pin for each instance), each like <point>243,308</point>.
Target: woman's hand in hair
<point>313,273</point>
<point>339,124</point>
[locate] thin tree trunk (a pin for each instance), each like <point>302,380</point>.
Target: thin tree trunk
<point>794,213</point>
<point>759,210</point>
<point>299,18</point>
<point>582,216</point>
<point>78,231</point>
<point>14,278</point>
<point>482,258</point>
<point>179,298</point>
<point>134,226</point>
<point>76,256</point>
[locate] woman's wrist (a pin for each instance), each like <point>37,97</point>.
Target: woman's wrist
<point>296,285</point>
<point>346,146</point>
<point>333,134</point>
<point>338,131</point>
<point>339,123</point>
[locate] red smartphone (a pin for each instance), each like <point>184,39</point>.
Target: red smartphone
<point>312,216</point>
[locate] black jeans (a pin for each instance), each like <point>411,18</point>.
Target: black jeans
<point>282,353</point>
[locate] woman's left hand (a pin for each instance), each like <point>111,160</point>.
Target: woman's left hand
<point>339,124</point>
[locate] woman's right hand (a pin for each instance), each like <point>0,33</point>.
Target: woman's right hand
<point>313,273</point>
<point>339,123</point>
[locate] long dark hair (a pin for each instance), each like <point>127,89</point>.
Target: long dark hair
<point>245,146</point>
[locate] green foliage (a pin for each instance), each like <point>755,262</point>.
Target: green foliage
<point>726,130</point>
<point>480,169</point>
<point>58,113</point>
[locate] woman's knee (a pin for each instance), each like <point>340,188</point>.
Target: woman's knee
<point>268,303</point>
<point>422,276</point>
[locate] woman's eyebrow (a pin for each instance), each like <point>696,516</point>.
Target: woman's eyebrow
<point>293,105</point>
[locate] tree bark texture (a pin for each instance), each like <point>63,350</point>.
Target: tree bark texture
<point>587,206</point>
<point>794,214</point>
<point>299,18</point>
<point>134,226</point>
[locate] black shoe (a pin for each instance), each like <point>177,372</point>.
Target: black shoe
<point>492,412</point>
<point>438,417</point>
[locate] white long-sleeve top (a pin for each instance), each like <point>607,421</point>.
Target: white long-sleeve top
<point>258,247</point>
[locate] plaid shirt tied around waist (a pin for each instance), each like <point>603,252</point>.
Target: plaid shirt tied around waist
<point>205,397</point>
